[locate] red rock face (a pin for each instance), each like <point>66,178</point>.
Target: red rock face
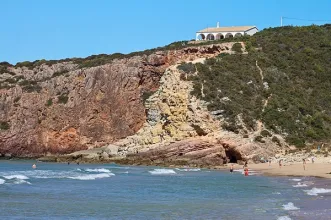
<point>89,107</point>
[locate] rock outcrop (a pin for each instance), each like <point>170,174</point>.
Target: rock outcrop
<point>61,108</point>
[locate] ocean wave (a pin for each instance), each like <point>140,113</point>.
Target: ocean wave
<point>99,170</point>
<point>91,176</point>
<point>290,207</point>
<point>2,181</point>
<point>162,171</point>
<point>20,177</point>
<point>296,180</point>
<point>284,218</point>
<point>20,181</point>
<point>316,191</point>
<point>188,169</point>
<point>300,185</point>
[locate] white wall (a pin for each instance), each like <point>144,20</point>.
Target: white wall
<point>251,31</point>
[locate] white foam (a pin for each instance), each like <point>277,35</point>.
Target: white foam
<point>100,170</point>
<point>2,181</point>
<point>162,172</point>
<point>296,180</point>
<point>300,185</point>
<point>284,218</point>
<point>290,206</point>
<point>21,177</point>
<point>19,181</point>
<point>91,176</point>
<point>316,191</point>
<point>188,169</point>
<point>276,193</point>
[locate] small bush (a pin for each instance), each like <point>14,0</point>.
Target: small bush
<point>49,102</point>
<point>59,73</point>
<point>4,125</point>
<point>237,48</point>
<point>199,130</point>
<point>259,138</point>
<point>63,99</point>
<point>188,68</point>
<point>276,140</point>
<point>265,133</point>
<point>146,95</point>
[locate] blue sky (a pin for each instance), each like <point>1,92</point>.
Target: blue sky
<point>56,29</point>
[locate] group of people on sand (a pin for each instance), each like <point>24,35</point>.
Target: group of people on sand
<point>304,162</point>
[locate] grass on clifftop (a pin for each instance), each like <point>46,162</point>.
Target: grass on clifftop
<point>296,64</point>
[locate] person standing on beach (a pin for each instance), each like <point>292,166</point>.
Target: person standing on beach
<point>312,159</point>
<point>304,164</point>
<point>269,162</point>
<point>280,163</point>
<point>231,168</point>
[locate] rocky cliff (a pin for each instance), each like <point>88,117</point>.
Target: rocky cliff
<point>61,108</point>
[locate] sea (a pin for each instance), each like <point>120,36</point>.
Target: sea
<point>110,191</point>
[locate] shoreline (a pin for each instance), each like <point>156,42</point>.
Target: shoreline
<point>317,169</point>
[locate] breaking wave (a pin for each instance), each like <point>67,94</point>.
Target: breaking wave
<point>296,180</point>
<point>300,185</point>
<point>316,191</point>
<point>284,218</point>
<point>290,207</point>
<point>20,177</point>
<point>162,171</point>
<point>91,176</point>
<point>2,181</point>
<point>188,169</point>
<point>99,170</point>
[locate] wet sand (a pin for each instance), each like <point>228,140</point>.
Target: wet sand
<point>293,169</point>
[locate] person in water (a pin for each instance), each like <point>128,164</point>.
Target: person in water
<point>231,168</point>
<point>34,166</point>
<point>246,171</point>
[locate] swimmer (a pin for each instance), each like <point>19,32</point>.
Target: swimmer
<point>231,168</point>
<point>246,171</point>
<point>34,166</point>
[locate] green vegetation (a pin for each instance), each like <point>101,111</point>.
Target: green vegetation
<point>59,73</point>
<point>146,95</point>
<point>50,102</point>
<point>4,125</point>
<point>62,99</point>
<point>297,76</point>
<point>30,86</point>
<point>237,48</point>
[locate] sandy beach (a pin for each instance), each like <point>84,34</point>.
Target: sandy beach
<point>293,169</point>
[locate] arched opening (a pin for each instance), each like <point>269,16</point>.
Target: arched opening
<point>233,155</point>
<point>219,36</point>
<point>210,37</point>
<point>238,35</point>
<point>201,37</point>
<point>228,35</point>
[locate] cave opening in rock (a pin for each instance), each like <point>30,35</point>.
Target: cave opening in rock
<point>233,156</point>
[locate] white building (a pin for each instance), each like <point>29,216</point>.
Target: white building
<point>216,33</point>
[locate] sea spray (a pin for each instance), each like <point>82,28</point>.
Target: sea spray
<point>162,172</point>
<point>290,207</point>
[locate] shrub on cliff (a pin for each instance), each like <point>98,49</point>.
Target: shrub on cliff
<point>63,99</point>
<point>236,47</point>
<point>4,125</point>
<point>297,76</point>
